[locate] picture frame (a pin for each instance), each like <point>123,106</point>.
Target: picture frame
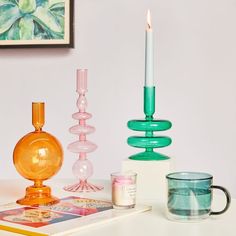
<point>36,23</point>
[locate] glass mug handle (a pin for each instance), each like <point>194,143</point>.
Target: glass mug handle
<point>228,200</point>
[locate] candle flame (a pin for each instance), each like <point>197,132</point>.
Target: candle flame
<point>149,25</point>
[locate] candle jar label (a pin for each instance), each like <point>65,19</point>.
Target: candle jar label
<point>124,195</point>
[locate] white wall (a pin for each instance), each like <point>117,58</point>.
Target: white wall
<point>195,77</point>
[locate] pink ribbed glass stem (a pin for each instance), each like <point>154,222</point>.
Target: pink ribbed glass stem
<point>82,168</point>
<point>81,87</point>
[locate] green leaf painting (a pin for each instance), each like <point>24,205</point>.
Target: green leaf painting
<point>32,19</point>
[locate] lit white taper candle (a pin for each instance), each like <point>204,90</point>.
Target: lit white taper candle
<point>149,60</point>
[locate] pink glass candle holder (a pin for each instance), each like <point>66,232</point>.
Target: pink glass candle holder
<point>83,168</point>
<point>123,189</point>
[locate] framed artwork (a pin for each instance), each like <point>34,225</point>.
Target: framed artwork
<point>36,23</point>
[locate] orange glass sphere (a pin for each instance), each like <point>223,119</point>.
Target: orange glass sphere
<point>37,157</point>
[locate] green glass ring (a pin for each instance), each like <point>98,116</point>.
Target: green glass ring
<point>149,125</point>
<point>149,142</point>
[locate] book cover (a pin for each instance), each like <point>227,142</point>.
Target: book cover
<point>70,215</point>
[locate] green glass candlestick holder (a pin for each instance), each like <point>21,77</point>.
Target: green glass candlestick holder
<point>149,126</point>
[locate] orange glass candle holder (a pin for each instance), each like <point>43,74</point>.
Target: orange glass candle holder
<point>37,157</point>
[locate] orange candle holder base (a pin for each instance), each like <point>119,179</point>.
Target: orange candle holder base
<point>38,196</point>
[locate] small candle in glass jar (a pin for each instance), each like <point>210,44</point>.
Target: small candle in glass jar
<point>123,189</point>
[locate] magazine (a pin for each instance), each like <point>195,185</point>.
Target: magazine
<point>70,215</point>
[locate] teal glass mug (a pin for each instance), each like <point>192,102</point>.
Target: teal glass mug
<point>190,196</point>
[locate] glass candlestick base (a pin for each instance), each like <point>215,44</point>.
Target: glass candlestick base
<point>38,196</point>
<point>149,156</point>
<point>83,186</point>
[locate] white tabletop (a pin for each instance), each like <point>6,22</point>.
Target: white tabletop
<point>148,223</point>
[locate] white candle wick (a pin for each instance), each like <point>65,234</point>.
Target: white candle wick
<point>149,24</point>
